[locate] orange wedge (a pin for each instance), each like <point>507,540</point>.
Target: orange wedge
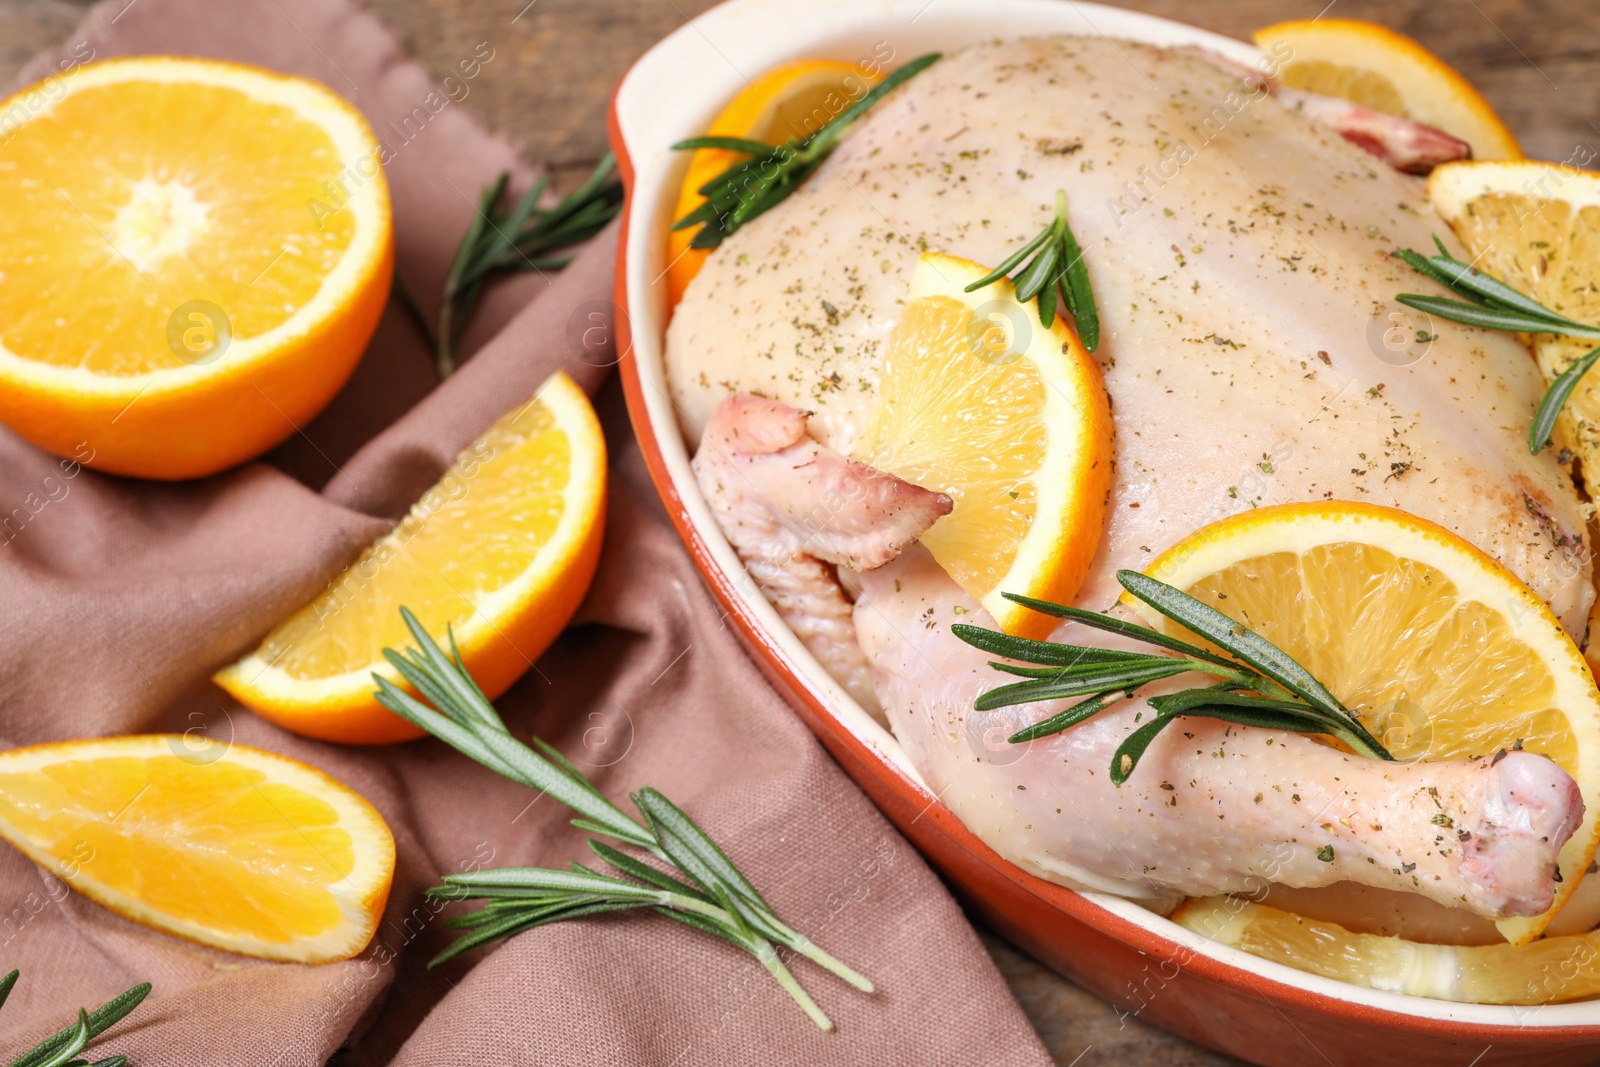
<point>1387,71</point>
<point>1394,612</point>
<point>193,255</point>
<point>500,552</point>
<point>228,846</point>
<point>788,102</point>
<point>981,402</point>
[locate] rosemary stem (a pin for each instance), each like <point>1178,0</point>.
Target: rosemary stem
<point>769,959</point>
<point>409,301</point>
<point>445,355</point>
<point>811,951</point>
<point>1261,684</point>
<point>1359,740</point>
<point>679,902</point>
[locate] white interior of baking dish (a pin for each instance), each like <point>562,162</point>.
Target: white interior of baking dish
<point>673,92</point>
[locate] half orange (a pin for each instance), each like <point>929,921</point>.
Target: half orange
<point>193,255</point>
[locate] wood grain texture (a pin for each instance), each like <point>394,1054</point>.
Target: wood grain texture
<point>557,60</point>
<point>555,63</point>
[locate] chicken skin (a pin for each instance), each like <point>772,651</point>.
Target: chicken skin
<point>1253,353</point>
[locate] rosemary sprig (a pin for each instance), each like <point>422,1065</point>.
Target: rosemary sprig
<point>61,1049</point>
<point>1049,264</point>
<point>707,892</point>
<point>520,238</point>
<point>1494,305</point>
<point>1261,685</point>
<point>753,187</point>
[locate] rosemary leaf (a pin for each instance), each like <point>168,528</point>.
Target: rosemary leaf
<point>503,235</point>
<point>1103,681</point>
<point>697,856</point>
<point>1471,282</point>
<point>1555,398</point>
<point>77,1041</point>
<point>1246,644</point>
<point>1422,265</point>
<point>472,727</point>
<point>1060,672</point>
<point>643,871</point>
<point>683,839</point>
<point>53,1049</point>
<point>456,686</point>
<point>830,133</point>
<point>1121,627</point>
<point>1491,317</point>
<point>1011,262</point>
<point>1063,720</point>
<point>549,879</point>
<point>1248,709</point>
<point>514,923</point>
<point>1032,279</point>
<point>1047,301</point>
<point>754,186</point>
<point>1220,702</point>
<point>728,144</point>
<point>1075,282</point>
<point>1048,653</point>
<point>1128,754</point>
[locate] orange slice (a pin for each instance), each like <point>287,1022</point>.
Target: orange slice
<point>1376,67</point>
<point>979,401</point>
<point>1400,617</point>
<point>1548,971</point>
<point>500,551</point>
<point>788,102</point>
<point>229,846</point>
<point>194,255</point>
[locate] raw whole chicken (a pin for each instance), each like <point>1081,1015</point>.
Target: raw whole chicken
<point>1238,246</point>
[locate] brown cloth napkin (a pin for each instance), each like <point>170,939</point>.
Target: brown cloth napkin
<point>123,596</point>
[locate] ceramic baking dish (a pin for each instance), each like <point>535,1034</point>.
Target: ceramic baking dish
<point>1142,963</point>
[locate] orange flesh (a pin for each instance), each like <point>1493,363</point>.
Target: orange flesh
<point>132,824</point>
<point>125,201</point>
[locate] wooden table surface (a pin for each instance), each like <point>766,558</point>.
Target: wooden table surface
<point>1536,61</point>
